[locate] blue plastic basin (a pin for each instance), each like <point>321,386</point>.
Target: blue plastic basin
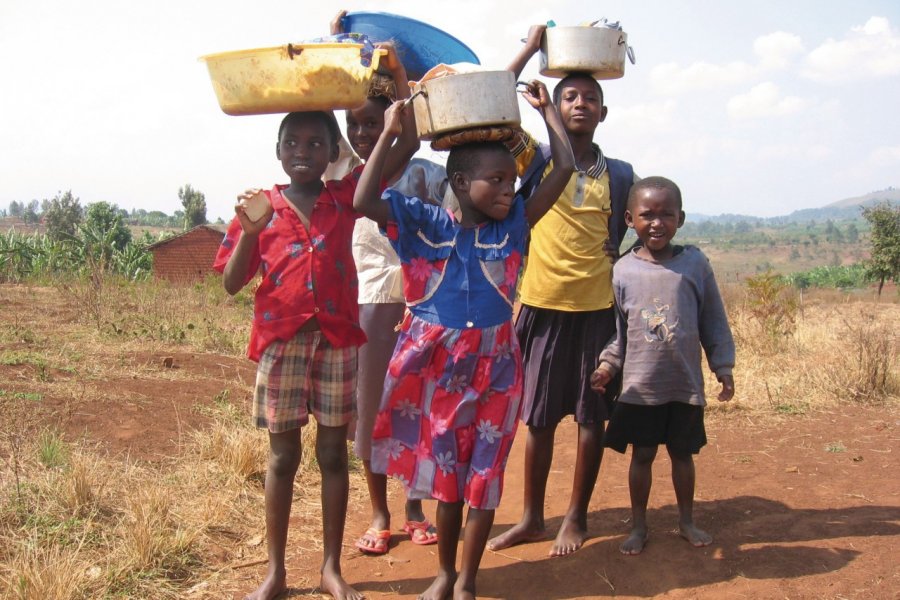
<point>420,46</point>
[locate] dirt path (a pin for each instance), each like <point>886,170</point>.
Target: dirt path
<point>806,506</point>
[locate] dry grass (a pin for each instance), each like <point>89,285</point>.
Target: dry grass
<point>835,352</point>
<point>97,527</point>
<point>76,523</point>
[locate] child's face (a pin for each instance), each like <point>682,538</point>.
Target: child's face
<point>305,149</point>
<point>581,106</point>
<point>655,216</point>
<point>364,126</point>
<point>490,188</point>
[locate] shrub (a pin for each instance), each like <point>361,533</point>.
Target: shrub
<point>772,304</point>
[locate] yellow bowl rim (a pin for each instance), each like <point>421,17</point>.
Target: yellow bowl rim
<point>253,51</point>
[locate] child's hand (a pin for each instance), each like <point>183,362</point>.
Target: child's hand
<point>600,378</point>
<point>727,392</point>
<point>391,60</point>
<point>536,94</point>
<point>337,24</point>
<point>392,117</point>
<point>252,227</point>
<point>611,250</point>
<point>535,33</point>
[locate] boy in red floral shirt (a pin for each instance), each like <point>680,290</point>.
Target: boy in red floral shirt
<point>305,332</point>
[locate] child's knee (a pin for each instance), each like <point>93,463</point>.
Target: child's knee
<point>332,458</point>
<point>681,458</point>
<point>643,455</point>
<point>284,461</point>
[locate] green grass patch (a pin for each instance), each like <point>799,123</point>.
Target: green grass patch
<point>28,396</point>
<point>22,357</point>
<point>52,450</point>
<point>789,409</point>
<point>835,447</point>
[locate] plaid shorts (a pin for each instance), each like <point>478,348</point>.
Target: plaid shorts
<point>305,375</point>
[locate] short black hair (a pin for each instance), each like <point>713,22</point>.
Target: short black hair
<point>557,91</point>
<point>657,183</point>
<point>327,117</point>
<point>381,99</point>
<point>466,157</point>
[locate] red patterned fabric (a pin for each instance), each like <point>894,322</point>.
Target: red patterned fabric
<point>305,274</point>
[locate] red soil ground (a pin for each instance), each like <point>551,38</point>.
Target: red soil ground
<point>806,506</point>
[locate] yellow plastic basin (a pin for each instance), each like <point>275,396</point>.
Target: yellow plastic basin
<point>290,78</point>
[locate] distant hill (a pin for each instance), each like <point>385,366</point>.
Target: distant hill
<point>842,210</point>
<point>891,195</point>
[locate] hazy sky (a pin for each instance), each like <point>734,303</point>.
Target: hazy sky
<point>759,107</point>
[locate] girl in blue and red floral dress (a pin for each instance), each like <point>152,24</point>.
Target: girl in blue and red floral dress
<point>452,395</point>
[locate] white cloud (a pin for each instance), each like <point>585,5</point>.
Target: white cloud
<point>743,149</point>
<point>764,100</point>
<point>866,52</point>
<point>670,78</point>
<point>795,152</point>
<point>654,117</point>
<point>885,156</point>
<point>776,50</point>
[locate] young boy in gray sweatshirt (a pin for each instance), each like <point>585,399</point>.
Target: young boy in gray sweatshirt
<point>668,307</point>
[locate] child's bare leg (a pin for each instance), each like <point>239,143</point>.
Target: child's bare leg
<point>538,458</point>
<point>331,454</point>
<point>449,524</point>
<point>284,458</point>
<point>640,478</point>
<point>683,478</point>
<point>414,510</point>
<point>573,531</point>
<point>478,526</point>
<point>381,514</point>
<point>415,513</point>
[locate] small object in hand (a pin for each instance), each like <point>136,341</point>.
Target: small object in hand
<point>256,207</point>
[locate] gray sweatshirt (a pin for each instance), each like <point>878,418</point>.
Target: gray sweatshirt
<point>665,313</point>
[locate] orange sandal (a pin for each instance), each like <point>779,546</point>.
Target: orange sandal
<point>421,532</point>
<point>379,540</point>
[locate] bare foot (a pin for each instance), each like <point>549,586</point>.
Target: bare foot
<point>521,533</point>
<point>697,537</point>
<point>332,583</point>
<point>274,583</point>
<point>634,543</point>
<point>441,588</point>
<point>570,538</point>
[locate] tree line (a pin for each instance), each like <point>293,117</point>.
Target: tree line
<point>88,240</point>
<point>63,213</point>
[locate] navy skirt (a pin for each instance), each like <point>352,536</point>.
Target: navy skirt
<point>560,351</point>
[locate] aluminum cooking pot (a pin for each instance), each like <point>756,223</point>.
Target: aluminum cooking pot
<point>465,100</point>
<point>599,51</point>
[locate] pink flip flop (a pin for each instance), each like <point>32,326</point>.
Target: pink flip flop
<point>421,532</point>
<point>381,540</point>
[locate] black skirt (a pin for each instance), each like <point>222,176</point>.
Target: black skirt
<point>560,351</point>
<point>677,425</point>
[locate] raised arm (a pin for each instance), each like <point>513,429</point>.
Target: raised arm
<point>551,186</point>
<point>407,143</point>
<point>367,198</point>
<point>532,45</point>
<point>337,23</point>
